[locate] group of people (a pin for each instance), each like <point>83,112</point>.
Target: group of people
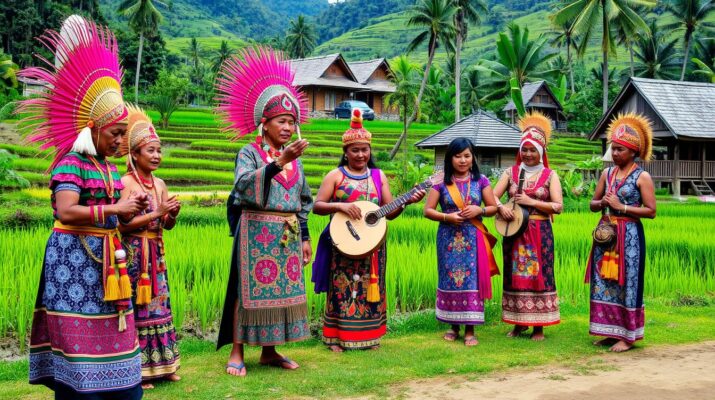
<point>102,326</point>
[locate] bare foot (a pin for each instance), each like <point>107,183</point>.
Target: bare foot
<point>517,331</point>
<point>470,340</point>
<point>147,386</point>
<point>173,378</point>
<point>538,334</point>
<point>605,342</point>
<point>277,360</point>
<point>621,346</point>
<point>335,348</point>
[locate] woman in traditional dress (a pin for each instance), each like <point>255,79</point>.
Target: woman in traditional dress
<point>625,194</point>
<point>143,234</point>
<point>265,300</point>
<point>465,261</point>
<point>355,313</point>
<point>83,343</point>
<point>529,297</point>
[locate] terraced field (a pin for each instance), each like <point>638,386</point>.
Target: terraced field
<point>199,156</point>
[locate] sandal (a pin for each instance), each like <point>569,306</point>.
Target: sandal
<point>450,336</point>
<point>237,366</point>
<point>470,341</point>
<point>280,362</point>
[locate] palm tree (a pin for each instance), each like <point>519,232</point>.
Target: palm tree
<point>705,69</point>
<point>194,52</point>
<point>588,15</point>
<point>467,12</point>
<point>144,19</point>
<point>476,89</point>
<point>224,53</point>
<point>565,37</point>
<point>690,15</point>
<point>657,58</point>
<point>518,58</point>
<point>405,74</point>
<point>300,38</point>
<point>436,18</point>
<point>628,35</point>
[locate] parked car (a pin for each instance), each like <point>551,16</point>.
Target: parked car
<point>344,109</point>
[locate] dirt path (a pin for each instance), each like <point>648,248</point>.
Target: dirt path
<point>663,372</point>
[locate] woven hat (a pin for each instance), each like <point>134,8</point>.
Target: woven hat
<point>357,133</point>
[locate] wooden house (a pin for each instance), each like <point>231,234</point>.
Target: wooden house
<point>328,80</point>
<point>683,129</point>
<point>538,97</point>
<point>497,142</point>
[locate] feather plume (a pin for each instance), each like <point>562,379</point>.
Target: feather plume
<point>643,128</point>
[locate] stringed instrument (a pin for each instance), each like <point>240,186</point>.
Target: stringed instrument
<point>518,225</point>
<point>358,238</point>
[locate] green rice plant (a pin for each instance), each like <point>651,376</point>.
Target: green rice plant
<point>680,261</point>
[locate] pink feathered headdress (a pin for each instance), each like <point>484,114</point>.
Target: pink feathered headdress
<point>255,87</point>
<point>82,88</point>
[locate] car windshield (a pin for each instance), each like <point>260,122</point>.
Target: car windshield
<point>358,104</point>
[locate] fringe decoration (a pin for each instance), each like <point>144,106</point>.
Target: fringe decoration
<point>111,288</point>
<point>373,290</point>
<point>144,290</point>
<point>271,316</point>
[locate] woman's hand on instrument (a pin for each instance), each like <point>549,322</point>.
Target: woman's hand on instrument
<point>351,210</point>
<point>307,252</point>
<point>470,212</point>
<point>506,213</point>
<point>524,200</point>
<point>455,218</point>
<point>612,201</point>
<point>293,151</point>
<point>415,198</point>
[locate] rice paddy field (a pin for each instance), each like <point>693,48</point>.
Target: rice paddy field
<point>198,163</point>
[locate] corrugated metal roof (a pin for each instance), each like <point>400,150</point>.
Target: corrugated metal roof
<point>483,129</point>
<point>527,93</point>
<point>684,107</point>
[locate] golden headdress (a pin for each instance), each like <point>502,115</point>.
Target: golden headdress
<point>633,131</point>
<point>536,129</point>
<point>140,131</point>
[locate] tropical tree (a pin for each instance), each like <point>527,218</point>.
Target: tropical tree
<point>224,53</point>
<point>436,19</point>
<point>8,71</point>
<point>144,19</point>
<point>587,16</point>
<point>194,53</point>
<point>519,57</point>
<point>468,11</point>
<point>628,35</point>
<point>690,15</point>
<point>565,38</point>
<point>704,69</point>
<point>405,74</point>
<point>656,56</point>
<point>476,89</point>
<point>166,93</point>
<point>300,38</point>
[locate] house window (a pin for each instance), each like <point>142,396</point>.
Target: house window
<point>487,162</point>
<point>329,100</point>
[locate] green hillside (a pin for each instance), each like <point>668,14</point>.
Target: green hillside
<point>198,156</point>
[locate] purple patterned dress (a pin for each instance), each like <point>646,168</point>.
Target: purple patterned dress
<point>617,310</point>
<point>458,297</point>
<point>154,322</point>
<point>76,347</point>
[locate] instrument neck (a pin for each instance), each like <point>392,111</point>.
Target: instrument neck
<point>398,202</point>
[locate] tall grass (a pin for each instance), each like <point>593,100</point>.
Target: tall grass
<point>680,260</point>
